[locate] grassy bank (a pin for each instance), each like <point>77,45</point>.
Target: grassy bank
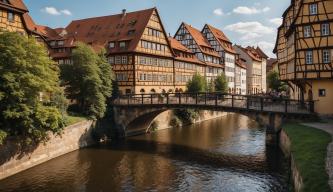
<point>309,148</point>
<point>72,119</point>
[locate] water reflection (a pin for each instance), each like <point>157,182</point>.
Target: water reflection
<point>226,154</point>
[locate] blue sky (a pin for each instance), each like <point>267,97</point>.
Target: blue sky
<point>246,22</point>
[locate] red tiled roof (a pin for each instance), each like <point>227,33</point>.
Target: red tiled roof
<point>177,46</point>
<point>15,4</point>
<point>251,52</point>
<point>261,53</point>
<point>201,40</point>
<point>240,63</point>
<point>223,39</point>
<point>99,31</point>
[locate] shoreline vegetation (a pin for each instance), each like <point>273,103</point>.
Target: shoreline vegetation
<point>309,149</point>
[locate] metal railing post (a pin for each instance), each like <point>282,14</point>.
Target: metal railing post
<point>167,98</point>
<point>247,102</point>
<point>286,106</point>
<point>232,101</point>
<point>196,98</point>
<point>128,99</point>
<point>216,98</point>
<point>151,98</point>
<point>206,98</point>
<point>262,104</point>
<point>179,99</point>
<point>142,99</point>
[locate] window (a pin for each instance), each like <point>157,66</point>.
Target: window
<point>122,44</point>
<point>124,59</point>
<point>111,45</point>
<point>322,93</point>
<point>308,57</point>
<point>313,9</point>
<point>326,56</point>
<point>325,29</point>
<point>111,60</point>
<point>307,31</point>
<point>52,43</point>
<point>130,32</point>
<point>118,60</point>
<point>10,17</point>
<point>60,43</point>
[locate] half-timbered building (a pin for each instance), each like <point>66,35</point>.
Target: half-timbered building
<point>223,46</point>
<point>195,41</point>
<point>186,64</point>
<point>304,49</point>
<point>137,47</point>
<point>11,16</point>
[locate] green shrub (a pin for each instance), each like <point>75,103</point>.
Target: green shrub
<point>175,122</point>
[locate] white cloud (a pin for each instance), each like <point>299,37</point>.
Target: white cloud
<point>250,36</point>
<point>276,21</point>
<point>250,10</point>
<point>250,27</point>
<point>55,11</point>
<point>66,12</point>
<point>218,12</point>
<point>51,11</point>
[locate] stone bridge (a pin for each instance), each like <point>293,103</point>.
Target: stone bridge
<point>135,113</point>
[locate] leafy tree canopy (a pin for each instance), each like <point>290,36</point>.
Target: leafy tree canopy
<point>197,84</point>
<point>221,84</point>
<point>88,80</point>
<point>30,95</point>
<point>274,82</point>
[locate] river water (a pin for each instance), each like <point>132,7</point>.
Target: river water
<point>227,154</point>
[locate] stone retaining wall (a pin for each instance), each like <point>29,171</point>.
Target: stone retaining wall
<point>13,160</point>
<point>285,145</point>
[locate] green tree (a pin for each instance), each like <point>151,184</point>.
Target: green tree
<point>274,82</point>
<point>221,84</point>
<point>88,80</point>
<point>29,90</point>
<point>211,86</point>
<point>197,84</point>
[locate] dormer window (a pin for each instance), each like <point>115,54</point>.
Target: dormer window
<point>130,32</point>
<point>112,45</point>
<point>122,44</point>
<point>60,43</point>
<point>313,8</point>
<point>52,43</point>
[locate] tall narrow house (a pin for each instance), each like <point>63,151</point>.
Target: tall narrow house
<point>186,64</point>
<point>253,61</point>
<point>304,49</point>
<point>195,41</point>
<point>221,44</point>
<point>137,47</point>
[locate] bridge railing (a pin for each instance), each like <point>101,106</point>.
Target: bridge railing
<point>250,102</point>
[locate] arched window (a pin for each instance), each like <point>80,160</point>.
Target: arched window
<point>142,91</point>
<point>181,90</point>
<point>152,91</point>
<point>170,91</point>
<point>177,90</point>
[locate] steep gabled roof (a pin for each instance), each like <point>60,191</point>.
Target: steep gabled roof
<point>251,52</point>
<point>240,63</point>
<point>201,40</point>
<point>17,5</point>
<point>222,38</point>
<point>261,53</point>
<point>98,31</point>
<point>177,46</point>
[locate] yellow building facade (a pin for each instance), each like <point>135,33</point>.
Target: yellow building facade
<point>304,49</point>
<point>11,16</point>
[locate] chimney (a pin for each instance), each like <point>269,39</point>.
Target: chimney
<point>123,12</point>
